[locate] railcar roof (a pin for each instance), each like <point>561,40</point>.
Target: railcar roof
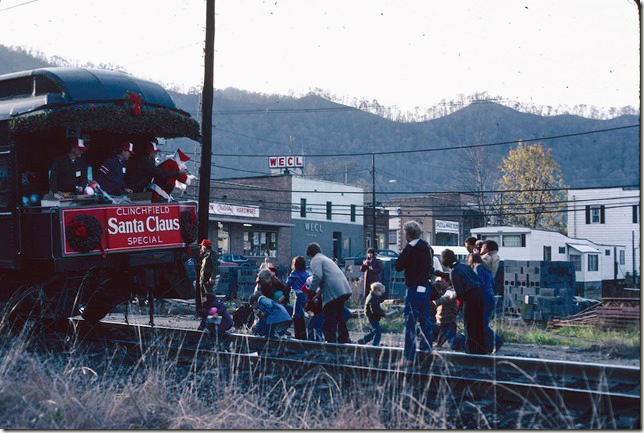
<point>64,86</point>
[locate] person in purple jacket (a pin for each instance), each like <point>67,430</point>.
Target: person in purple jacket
<point>295,281</point>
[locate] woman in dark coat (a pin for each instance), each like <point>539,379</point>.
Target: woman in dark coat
<point>372,268</point>
<point>469,291</point>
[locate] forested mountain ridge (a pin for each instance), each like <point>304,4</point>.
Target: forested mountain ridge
<point>248,123</point>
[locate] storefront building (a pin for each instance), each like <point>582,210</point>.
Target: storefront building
<point>278,216</point>
<point>329,213</point>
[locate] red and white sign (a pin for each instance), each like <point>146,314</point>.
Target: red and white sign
<point>233,210</point>
<point>285,161</point>
<point>133,227</point>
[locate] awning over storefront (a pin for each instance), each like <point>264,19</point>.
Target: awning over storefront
<point>583,248</point>
<point>245,221</point>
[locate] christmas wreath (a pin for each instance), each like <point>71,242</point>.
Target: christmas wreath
<point>83,233</point>
<point>188,220</point>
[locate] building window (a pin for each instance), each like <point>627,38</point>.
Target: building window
<point>576,260</point>
<point>494,238</point>
<point>636,214</point>
<point>393,236</point>
<point>302,207</point>
<point>513,240</point>
<point>622,257</point>
<point>547,253</point>
<point>595,213</point>
<point>593,262</point>
<point>328,210</point>
<point>447,239</point>
<point>607,252</point>
<point>562,250</point>
<point>260,243</point>
<point>353,213</point>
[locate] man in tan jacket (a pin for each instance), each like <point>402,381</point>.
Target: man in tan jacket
<point>331,284</point>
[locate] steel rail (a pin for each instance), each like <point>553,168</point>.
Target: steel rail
<point>586,378</point>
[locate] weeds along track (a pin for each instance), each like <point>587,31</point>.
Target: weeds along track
<point>553,383</point>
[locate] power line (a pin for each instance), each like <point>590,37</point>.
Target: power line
<point>263,189</point>
<point>438,149</point>
<point>18,5</point>
<point>284,111</point>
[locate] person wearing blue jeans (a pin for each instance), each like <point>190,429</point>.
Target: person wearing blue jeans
<point>316,324</point>
<point>416,259</point>
<point>296,280</point>
<point>492,341</point>
<point>374,313</point>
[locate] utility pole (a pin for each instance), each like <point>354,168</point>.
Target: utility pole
<point>206,141</point>
<point>373,200</point>
<point>206,124</point>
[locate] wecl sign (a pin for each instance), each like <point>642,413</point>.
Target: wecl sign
<point>285,161</point>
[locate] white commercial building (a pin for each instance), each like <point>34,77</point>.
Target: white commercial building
<point>593,262</point>
<point>608,216</point>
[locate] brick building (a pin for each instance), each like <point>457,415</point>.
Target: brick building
<point>445,219</point>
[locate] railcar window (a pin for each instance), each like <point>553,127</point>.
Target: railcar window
<point>15,88</point>
<point>44,85</point>
<point>4,182</point>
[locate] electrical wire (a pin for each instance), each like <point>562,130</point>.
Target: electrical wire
<point>439,149</point>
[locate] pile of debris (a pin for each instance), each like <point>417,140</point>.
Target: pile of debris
<point>611,313</point>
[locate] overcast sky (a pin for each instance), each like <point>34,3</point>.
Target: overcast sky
<point>405,53</point>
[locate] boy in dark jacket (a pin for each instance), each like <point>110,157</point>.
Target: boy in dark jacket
<point>374,313</point>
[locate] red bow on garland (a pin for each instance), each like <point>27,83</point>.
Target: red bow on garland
<point>136,100</point>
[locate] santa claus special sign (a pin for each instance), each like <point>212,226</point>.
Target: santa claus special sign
<point>130,227</point>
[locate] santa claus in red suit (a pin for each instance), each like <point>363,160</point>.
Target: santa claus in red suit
<point>162,188</point>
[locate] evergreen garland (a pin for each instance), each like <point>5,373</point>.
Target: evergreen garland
<point>160,122</point>
<point>188,221</point>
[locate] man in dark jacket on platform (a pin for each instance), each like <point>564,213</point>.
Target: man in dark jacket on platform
<point>141,169</point>
<point>416,260</point>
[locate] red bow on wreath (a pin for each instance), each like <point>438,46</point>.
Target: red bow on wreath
<point>135,100</point>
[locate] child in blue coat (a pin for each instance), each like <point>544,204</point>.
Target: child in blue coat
<point>295,281</point>
<point>274,319</point>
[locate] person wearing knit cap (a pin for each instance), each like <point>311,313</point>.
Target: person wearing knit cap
<point>111,174</point>
<point>162,186</point>
<point>142,168</point>
<point>69,170</point>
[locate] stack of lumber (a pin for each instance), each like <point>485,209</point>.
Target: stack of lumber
<point>611,313</point>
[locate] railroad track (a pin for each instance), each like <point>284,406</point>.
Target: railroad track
<point>554,383</point>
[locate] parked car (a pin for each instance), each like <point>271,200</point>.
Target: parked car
<point>391,254</point>
<point>238,259</point>
<point>224,263</point>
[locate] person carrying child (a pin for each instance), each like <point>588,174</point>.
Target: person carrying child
<point>273,317</point>
<point>374,313</point>
<point>492,341</point>
<point>295,281</point>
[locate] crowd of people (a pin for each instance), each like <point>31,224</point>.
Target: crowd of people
<point>433,300</point>
<point>129,168</point>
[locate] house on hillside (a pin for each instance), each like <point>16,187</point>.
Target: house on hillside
<point>594,262</point>
<point>608,215</point>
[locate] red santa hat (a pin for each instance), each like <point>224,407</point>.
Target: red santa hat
<point>127,146</point>
<point>182,156</point>
<point>151,147</point>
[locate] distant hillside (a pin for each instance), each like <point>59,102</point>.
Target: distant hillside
<point>249,123</point>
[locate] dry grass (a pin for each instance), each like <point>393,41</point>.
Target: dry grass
<point>66,386</point>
